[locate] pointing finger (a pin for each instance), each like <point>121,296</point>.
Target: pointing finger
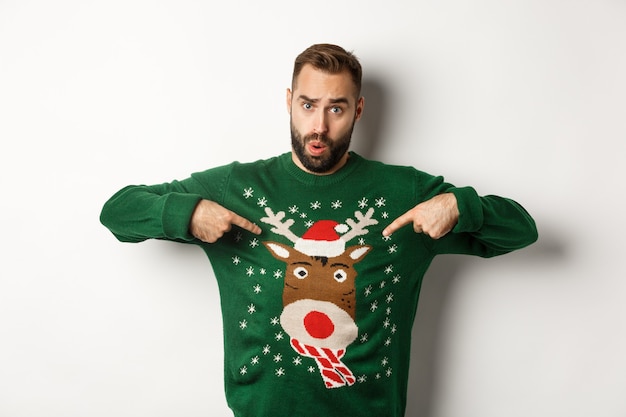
<point>246,224</point>
<point>398,223</point>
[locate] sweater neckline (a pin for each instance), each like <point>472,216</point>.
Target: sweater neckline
<point>320,180</point>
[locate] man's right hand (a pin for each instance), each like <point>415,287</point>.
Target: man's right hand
<point>210,221</point>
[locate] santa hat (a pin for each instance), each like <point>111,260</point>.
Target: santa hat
<point>322,239</point>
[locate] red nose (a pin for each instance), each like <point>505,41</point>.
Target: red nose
<point>318,325</point>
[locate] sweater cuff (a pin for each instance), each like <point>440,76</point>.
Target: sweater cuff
<point>177,213</point>
<point>470,210</point>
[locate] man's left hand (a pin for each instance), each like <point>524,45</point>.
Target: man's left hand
<point>435,217</point>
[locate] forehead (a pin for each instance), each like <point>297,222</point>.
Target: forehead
<point>314,83</point>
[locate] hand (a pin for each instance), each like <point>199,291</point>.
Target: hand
<point>210,221</point>
<point>434,217</point>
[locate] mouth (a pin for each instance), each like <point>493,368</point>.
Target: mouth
<point>316,147</point>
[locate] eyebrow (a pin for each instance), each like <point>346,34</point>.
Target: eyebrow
<point>332,100</point>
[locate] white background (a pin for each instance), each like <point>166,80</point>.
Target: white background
<point>520,98</point>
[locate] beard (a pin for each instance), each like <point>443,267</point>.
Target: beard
<point>325,163</point>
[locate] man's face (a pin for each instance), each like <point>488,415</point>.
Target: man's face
<point>323,108</point>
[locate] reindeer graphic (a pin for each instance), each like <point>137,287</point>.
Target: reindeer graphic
<point>319,295</point>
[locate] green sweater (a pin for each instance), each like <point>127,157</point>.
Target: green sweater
<point>318,309</point>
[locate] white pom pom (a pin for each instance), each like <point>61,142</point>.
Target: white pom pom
<point>341,228</point>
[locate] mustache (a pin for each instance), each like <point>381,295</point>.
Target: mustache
<point>317,137</point>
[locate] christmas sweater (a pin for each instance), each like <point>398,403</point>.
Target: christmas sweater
<point>317,310</point>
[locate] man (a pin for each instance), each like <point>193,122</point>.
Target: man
<point>319,279</point>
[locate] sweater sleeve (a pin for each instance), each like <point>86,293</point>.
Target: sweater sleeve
<point>488,226</point>
<point>140,212</point>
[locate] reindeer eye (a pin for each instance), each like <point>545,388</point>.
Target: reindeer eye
<point>300,272</point>
<point>340,275</point>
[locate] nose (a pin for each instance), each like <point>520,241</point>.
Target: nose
<point>320,125</point>
<point>318,325</point>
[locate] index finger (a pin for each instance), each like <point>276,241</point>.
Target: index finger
<point>245,224</point>
<point>398,223</point>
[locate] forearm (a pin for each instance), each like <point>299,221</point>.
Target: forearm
<point>489,225</point>
<point>137,213</point>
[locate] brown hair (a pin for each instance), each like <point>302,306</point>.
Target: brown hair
<point>329,58</point>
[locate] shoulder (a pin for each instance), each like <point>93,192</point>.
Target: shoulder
<point>237,166</point>
<point>383,168</point>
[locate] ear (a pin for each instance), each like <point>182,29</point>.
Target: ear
<point>289,97</point>
<point>359,108</point>
<point>278,250</point>
<point>357,253</point>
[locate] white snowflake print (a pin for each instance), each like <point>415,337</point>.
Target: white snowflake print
<point>248,192</point>
<point>389,298</point>
<point>266,349</point>
<point>262,202</point>
<point>386,238</point>
<point>384,215</point>
<point>311,369</point>
<point>316,205</point>
<point>280,372</point>
<point>388,341</point>
<point>278,273</point>
<point>396,279</point>
<point>336,204</point>
<point>293,209</point>
<point>364,338</point>
<point>384,362</point>
<point>254,243</point>
<point>238,237</point>
<point>278,358</point>
<point>380,202</point>
<point>262,271</point>
<point>362,379</point>
<point>251,309</point>
<point>297,360</point>
<point>374,306</point>
<point>388,269</point>
<point>363,203</point>
<point>255,360</point>
<point>274,321</point>
<point>256,288</point>
<point>243,324</point>
<point>243,370</point>
<point>250,271</point>
<point>309,223</point>
<point>394,329</point>
<point>368,291</point>
<point>279,336</point>
<point>361,241</point>
<point>388,372</point>
<point>236,260</point>
<point>386,323</point>
<point>392,249</point>
<point>382,284</point>
<point>303,215</point>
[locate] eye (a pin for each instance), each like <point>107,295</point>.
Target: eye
<point>340,275</point>
<point>300,272</point>
<point>307,106</point>
<point>336,110</point>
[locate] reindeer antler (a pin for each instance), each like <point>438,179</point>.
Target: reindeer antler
<point>280,227</point>
<point>357,229</point>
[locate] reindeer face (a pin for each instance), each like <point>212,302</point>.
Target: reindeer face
<point>319,294</point>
